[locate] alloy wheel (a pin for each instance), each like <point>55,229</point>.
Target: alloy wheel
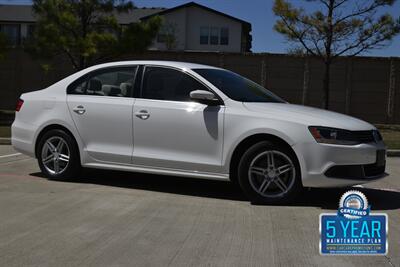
<point>272,174</point>
<point>55,155</point>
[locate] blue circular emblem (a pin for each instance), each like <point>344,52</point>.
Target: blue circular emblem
<point>353,205</point>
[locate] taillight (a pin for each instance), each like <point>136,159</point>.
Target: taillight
<point>19,105</point>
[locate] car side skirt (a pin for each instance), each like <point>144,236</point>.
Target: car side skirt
<point>160,171</point>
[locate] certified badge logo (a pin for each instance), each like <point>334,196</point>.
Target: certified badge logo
<point>353,230</point>
<point>353,205</point>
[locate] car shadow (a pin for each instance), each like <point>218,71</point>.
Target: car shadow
<point>324,198</point>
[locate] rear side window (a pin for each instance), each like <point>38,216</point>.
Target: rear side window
<point>168,84</point>
<point>117,82</point>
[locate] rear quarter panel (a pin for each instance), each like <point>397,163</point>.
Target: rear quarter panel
<point>40,110</point>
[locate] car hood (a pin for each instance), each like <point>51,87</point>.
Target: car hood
<point>308,115</point>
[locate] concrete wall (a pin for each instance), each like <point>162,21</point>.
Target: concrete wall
<point>189,20</point>
<point>364,87</point>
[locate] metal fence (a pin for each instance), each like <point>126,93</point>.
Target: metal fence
<point>364,87</point>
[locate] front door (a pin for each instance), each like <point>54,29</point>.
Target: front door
<point>170,131</point>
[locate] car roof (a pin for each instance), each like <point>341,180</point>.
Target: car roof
<point>175,64</point>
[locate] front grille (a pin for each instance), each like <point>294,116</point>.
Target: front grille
<point>345,171</point>
<point>355,171</point>
<point>364,136</point>
<point>373,170</point>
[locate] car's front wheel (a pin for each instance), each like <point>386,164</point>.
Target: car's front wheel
<point>269,174</point>
<point>58,155</point>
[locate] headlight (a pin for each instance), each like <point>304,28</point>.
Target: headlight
<point>335,136</point>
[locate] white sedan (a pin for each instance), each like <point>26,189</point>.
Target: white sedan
<point>192,120</point>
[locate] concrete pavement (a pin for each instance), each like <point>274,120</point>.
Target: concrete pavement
<point>106,218</point>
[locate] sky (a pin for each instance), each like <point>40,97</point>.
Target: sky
<point>259,14</point>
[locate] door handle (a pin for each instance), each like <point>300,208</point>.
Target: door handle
<point>143,114</point>
<point>80,110</point>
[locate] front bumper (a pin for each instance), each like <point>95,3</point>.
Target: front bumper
<point>326,165</point>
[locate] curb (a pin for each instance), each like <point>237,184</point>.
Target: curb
<point>389,153</point>
<point>5,141</point>
<point>393,153</point>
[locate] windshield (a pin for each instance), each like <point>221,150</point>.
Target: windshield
<point>237,87</point>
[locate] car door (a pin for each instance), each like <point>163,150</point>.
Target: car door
<point>170,131</point>
<point>101,104</point>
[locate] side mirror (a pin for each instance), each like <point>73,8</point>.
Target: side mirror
<point>204,97</point>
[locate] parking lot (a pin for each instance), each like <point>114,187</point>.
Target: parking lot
<point>107,218</point>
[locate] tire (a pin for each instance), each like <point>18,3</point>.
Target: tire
<point>269,174</point>
<point>58,148</point>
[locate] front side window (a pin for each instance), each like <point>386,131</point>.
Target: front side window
<point>204,35</point>
<point>117,82</point>
<point>168,84</point>
<point>237,87</point>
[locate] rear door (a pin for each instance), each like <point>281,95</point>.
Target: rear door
<point>101,107</point>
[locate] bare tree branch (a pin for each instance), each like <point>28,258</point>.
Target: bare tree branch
<point>299,36</point>
<point>343,27</point>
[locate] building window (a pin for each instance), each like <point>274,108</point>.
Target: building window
<point>161,37</point>
<point>224,36</point>
<point>204,35</point>
<point>12,32</point>
<point>214,36</point>
<point>31,31</point>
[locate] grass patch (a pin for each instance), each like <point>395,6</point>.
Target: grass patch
<point>393,127</point>
<point>391,138</point>
<point>5,131</point>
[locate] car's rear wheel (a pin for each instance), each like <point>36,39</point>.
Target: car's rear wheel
<point>58,155</point>
<point>269,174</point>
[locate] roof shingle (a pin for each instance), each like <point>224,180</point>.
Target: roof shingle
<point>24,13</point>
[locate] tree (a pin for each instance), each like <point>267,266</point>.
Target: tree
<point>87,31</point>
<point>336,28</point>
<point>169,30</point>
